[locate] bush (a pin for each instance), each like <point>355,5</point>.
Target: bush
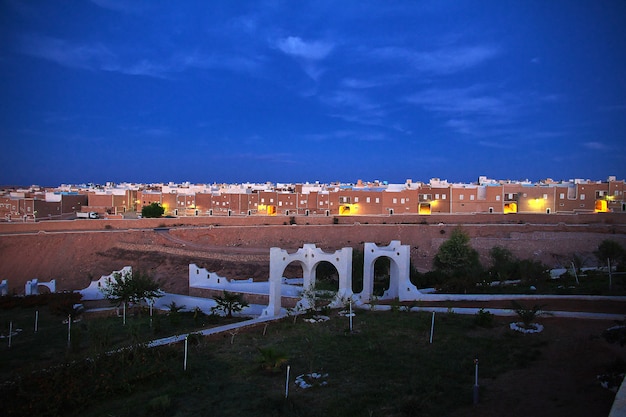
<point>483,318</point>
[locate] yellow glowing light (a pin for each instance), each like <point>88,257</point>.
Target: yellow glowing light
<point>347,209</point>
<point>424,208</point>
<point>510,208</point>
<point>601,206</point>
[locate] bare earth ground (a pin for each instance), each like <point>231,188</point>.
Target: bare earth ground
<point>561,382</point>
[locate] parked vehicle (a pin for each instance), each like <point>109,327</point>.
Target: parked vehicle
<point>87,215</point>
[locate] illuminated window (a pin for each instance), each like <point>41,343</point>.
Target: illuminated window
<point>280,204</point>
<point>545,196</point>
<point>271,200</point>
<point>356,199</point>
<point>377,200</point>
<point>443,196</point>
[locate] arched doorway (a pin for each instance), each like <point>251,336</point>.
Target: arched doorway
<point>308,257</point>
<point>399,281</point>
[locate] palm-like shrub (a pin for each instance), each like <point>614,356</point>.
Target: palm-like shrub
<point>229,303</point>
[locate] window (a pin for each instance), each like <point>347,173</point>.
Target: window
<point>377,200</point>
<point>472,197</point>
<point>545,196</point>
<point>356,199</point>
<point>562,196</point>
<point>443,196</point>
<point>395,201</point>
<point>436,196</point>
<point>367,199</point>
<point>461,197</point>
<point>497,198</point>
<point>582,196</point>
<point>271,200</point>
<point>402,201</point>
<point>263,200</point>
<point>280,204</point>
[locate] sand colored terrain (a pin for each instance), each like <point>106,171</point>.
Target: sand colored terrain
<point>76,252</point>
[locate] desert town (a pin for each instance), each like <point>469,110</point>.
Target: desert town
<point>362,198</point>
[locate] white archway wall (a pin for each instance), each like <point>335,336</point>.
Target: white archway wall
<point>400,285</point>
<point>308,257</point>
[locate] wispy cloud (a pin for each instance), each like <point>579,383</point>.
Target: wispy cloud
<point>596,146</point>
<point>130,7</point>
<point>311,50</point>
<point>441,61</point>
<point>99,57</point>
<point>346,135</point>
<point>83,56</point>
<point>469,100</point>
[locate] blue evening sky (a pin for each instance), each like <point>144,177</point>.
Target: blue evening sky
<point>295,91</point>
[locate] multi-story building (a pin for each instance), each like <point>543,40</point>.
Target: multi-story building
<point>374,198</point>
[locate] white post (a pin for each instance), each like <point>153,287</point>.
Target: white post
<point>432,328</point>
<point>10,332</point>
<point>575,274</point>
<point>185,362</point>
<point>287,382</point>
<point>476,381</point>
<point>608,262</point>
<point>69,329</point>
<point>36,320</point>
<point>351,315</point>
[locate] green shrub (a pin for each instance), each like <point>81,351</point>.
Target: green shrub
<point>483,318</point>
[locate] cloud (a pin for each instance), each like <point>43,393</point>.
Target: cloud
<point>94,56</point>
<point>442,61</point>
<point>98,57</point>
<point>124,6</point>
<point>296,47</point>
<point>359,84</point>
<point>469,100</point>
<point>596,146</point>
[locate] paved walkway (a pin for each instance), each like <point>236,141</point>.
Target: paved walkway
<point>214,330</point>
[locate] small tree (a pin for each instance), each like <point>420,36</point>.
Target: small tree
<point>612,251</point>
<point>458,261</point>
<point>229,303</point>
<point>131,287</point>
<point>503,264</point>
<point>154,210</point>
<point>527,315</point>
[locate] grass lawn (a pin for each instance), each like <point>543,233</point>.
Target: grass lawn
<point>385,367</point>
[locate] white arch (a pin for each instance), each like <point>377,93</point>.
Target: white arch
<point>400,285</point>
<point>32,286</point>
<point>308,257</point>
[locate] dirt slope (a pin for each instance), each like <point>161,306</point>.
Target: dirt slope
<point>75,257</point>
